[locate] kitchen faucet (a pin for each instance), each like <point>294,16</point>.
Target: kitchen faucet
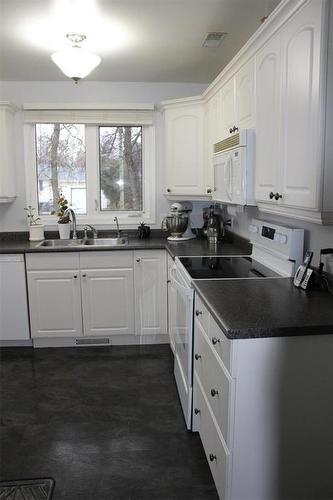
<point>94,231</point>
<point>72,213</point>
<point>117,223</point>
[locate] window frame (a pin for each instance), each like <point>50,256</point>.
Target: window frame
<point>94,215</point>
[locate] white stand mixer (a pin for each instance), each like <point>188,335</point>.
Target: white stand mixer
<point>178,223</point>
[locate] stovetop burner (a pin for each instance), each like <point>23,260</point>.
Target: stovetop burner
<point>225,268</point>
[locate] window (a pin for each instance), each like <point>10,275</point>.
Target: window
<point>102,166</point>
<point>120,153</point>
<point>61,165</point>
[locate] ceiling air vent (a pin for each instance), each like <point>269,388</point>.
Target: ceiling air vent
<point>214,39</point>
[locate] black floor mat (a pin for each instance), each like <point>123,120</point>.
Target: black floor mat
<point>29,489</point>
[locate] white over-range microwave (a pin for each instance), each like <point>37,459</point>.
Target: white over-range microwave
<point>233,163</point>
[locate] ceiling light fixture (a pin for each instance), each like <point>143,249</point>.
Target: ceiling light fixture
<point>75,62</point>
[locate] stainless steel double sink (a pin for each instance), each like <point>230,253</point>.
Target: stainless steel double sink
<point>96,242</point>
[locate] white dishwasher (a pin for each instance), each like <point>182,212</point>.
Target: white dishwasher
<point>14,319</point>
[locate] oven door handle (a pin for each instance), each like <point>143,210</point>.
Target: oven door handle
<point>184,290</point>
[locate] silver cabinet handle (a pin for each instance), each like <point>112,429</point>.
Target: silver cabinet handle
<point>215,340</point>
<point>75,276</point>
<point>196,411</point>
<point>212,457</point>
<point>138,260</point>
<point>197,356</point>
<point>214,393</point>
<point>197,312</point>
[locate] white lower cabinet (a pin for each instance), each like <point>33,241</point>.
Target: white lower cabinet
<point>55,303</point>
<point>94,294</point>
<point>171,306</point>
<point>264,409</point>
<point>150,277</point>
<point>107,301</point>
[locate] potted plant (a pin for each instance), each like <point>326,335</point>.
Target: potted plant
<point>64,221</point>
<point>36,228</point>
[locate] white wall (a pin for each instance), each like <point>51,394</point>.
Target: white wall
<point>12,217</point>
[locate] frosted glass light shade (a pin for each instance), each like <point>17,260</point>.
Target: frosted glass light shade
<point>75,62</point>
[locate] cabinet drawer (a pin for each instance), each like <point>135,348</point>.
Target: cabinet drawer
<point>215,382</point>
<point>107,259</point>
<point>52,260</point>
<point>201,313</point>
<point>217,454</point>
<point>221,345</point>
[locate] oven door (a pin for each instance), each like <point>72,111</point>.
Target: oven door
<point>183,329</point>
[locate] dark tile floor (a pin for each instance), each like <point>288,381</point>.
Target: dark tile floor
<point>105,423</point>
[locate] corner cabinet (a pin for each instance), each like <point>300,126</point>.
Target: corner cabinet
<point>150,276</point>
<point>291,79</point>
<point>184,149</point>
<point>266,434</point>
<point>7,152</point>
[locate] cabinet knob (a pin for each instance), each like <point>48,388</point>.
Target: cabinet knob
<point>138,259</point>
<point>168,190</point>
<point>84,275</point>
<point>214,393</point>
<point>215,340</point>
<point>197,312</point>
<point>271,195</point>
<point>212,457</point>
<point>230,130</point>
<point>278,196</point>
<point>75,276</point>
<point>168,281</point>
<point>196,411</point>
<point>209,190</point>
<point>197,356</point>
<point>235,129</point>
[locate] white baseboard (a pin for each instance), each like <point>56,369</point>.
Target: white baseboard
<point>103,341</point>
<point>15,343</point>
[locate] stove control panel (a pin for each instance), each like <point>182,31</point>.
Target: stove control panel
<point>283,240</point>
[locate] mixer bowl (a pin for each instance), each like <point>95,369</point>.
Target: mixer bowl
<point>177,224</point>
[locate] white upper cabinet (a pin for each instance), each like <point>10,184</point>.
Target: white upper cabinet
<point>184,148</point>
<point>7,152</point>
<point>290,78</point>
<point>228,108</point>
<point>267,119</point>
<point>245,102</point>
<point>300,124</point>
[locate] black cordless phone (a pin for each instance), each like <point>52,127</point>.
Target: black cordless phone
<point>302,270</point>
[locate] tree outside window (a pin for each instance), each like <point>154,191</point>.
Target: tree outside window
<point>120,168</point>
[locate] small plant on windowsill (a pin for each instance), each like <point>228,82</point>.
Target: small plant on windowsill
<point>63,218</point>
<point>36,228</point>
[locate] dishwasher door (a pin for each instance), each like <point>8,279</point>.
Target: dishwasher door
<point>14,319</point>
<point>183,337</point>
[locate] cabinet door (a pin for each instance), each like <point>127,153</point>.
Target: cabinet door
<point>228,108</point>
<point>7,152</point>
<point>108,301</point>
<point>150,292</point>
<point>55,303</point>
<point>245,104</point>
<point>300,130</point>
<point>185,150</point>
<point>171,306</point>
<point>268,119</point>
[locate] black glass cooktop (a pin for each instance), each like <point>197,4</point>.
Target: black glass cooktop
<point>225,267</point>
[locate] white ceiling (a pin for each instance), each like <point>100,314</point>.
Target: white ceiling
<point>138,40</point>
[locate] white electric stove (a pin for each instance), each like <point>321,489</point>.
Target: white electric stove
<point>277,251</point>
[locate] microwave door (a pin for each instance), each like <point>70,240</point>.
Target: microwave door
<point>222,178</point>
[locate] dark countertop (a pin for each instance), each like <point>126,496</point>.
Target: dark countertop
<point>270,307</point>
<point>192,247</point>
